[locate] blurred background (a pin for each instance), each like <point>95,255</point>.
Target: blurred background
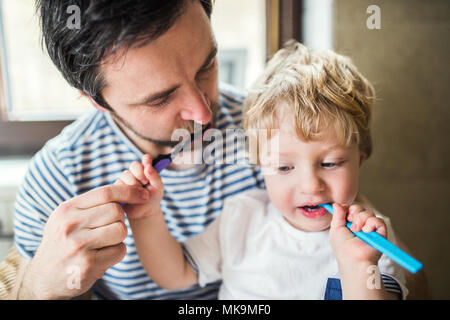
<point>399,45</point>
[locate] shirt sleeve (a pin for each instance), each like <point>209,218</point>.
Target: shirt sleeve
<point>43,188</point>
<point>203,253</point>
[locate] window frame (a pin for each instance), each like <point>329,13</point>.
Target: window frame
<point>284,22</point>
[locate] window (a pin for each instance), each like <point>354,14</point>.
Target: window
<point>317,24</point>
<point>240,30</point>
<point>33,88</point>
<point>36,102</point>
<point>232,66</point>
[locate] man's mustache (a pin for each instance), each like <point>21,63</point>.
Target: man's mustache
<point>189,129</point>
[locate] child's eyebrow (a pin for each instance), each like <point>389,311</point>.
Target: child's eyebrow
<point>332,148</point>
<point>288,153</point>
<point>336,147</point>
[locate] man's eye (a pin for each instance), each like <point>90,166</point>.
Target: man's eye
<point>209,66</point>
<point>160,102</point>
<point>212,63</point>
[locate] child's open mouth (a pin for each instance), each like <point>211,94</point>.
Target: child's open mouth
<point>312,211</point>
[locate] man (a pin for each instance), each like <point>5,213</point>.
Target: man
<point>149,68</point>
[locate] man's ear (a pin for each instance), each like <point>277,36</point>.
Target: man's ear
<point>95,104</point>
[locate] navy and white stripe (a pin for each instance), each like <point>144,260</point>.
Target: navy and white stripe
<point>391,284</point>
<point>93,152</point>
<point>333,289</point>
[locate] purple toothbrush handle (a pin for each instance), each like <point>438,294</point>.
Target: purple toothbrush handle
<point>162,164</point>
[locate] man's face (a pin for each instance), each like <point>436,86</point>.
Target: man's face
<point>167,84</point>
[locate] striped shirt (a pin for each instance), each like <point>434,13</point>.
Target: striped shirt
<point>93,152</point>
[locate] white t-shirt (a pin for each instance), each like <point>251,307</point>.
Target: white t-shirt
<point>259,255</point>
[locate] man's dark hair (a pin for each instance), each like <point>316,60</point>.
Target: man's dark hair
<point>105,27</point>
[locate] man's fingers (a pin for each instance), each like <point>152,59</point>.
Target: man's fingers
<point>119,183</point>
<point>105,236</point>
<point>111,255</point>
<point>111,193</point>
<point>102,215</point>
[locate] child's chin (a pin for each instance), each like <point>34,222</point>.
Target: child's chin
<point>323,227</point>
<point>311,225</point>
<point>316,227</point>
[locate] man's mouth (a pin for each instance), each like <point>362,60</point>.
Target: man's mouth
<point>196,135</point>
<point>205,128</point>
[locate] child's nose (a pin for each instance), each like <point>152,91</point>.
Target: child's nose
<point>310,184</point>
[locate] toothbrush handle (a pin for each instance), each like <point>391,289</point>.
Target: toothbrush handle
<point>384,246</point>
<point>161,164</point>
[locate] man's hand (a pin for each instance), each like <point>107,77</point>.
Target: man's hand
<point>82,239</point>
<point>143,174</point>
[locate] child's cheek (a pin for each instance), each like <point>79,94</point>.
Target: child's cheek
<point>278,194</point>
<point>345,188</point>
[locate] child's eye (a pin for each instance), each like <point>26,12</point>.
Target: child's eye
<point>328,164</point>
<point>285,169</point>
<point>332,164</point>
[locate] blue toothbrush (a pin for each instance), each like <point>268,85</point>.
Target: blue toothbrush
<point>384,246</point>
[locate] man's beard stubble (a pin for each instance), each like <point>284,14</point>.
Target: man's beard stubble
<point>166,143</point>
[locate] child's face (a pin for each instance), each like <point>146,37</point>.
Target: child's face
<point>309,173</point>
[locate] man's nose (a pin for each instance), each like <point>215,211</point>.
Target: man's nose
<point>197,108</point>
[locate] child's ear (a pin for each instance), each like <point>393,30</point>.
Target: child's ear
<point>95,104</point>
<point>362,157</point>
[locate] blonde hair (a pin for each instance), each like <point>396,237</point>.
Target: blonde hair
<point>322,89</point>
